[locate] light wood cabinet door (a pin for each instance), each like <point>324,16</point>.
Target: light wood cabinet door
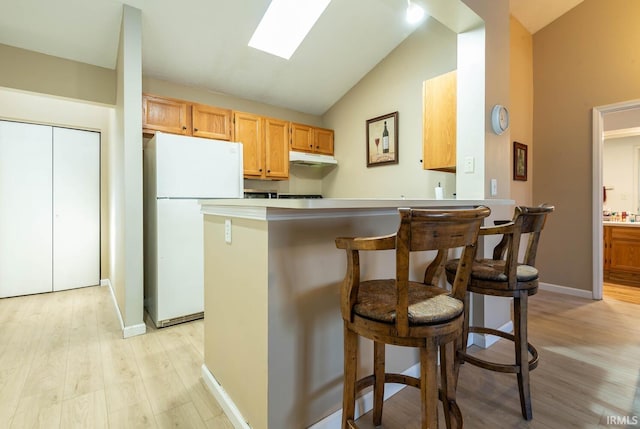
<point>323,141</point>
<point>211,122</point>
<point>439,122</point>
<point>247,129</point>
<point>165,114</point>
<point>301,137</point>
<point>276,148</point>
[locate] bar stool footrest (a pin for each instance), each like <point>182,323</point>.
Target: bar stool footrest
<point>494,366</point>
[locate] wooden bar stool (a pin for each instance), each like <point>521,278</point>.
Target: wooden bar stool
<point>409,313</point>
<point>504,276</point>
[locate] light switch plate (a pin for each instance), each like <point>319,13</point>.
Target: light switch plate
<point>494,187</point>
<point>469,166</point>
<point>227,230</point>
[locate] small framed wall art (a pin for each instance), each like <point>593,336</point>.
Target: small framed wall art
<point>519,161</point>
<point>382,140</point>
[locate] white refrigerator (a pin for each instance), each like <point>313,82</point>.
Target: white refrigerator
<point>178,171</point>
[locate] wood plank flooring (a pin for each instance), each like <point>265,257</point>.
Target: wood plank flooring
<point>64,364</point>
<point>589,369</point>
<point>621,292</point>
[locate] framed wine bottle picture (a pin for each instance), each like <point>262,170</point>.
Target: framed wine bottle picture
<point>382,140</point>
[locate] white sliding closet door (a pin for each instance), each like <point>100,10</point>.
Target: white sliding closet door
<point>25,209</point>
<point>76,208</point>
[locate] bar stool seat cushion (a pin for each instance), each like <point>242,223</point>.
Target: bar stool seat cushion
<point>377,300</point>
<point>493,270</point>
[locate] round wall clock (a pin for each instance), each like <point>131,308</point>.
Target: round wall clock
<point>499,119</point>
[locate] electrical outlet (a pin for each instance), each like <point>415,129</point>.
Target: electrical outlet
<point>469,166</point>
<point>227,230</point>
<point>494,187</point>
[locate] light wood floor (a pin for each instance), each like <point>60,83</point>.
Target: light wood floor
<point>64,364</point>
<point>621,292</point>
<point>589,369</point>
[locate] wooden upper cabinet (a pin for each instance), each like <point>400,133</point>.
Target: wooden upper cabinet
<point>301,137</point>
<point>323,140</point>
<point>167,115</point>
<point>265,145</point>
<point>211,122</point>
<point>247,129</point>
<point>439,123</point>
<point>276,148</point>
<point>305,138</point>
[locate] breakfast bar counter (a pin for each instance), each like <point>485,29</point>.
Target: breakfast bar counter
<point>273,329</point>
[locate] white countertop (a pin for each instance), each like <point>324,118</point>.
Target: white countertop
<point>609,223</point>
<point>281,209</point>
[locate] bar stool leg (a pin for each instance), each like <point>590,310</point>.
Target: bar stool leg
<point>350,368</point>
<point>429,383</point>
<point>378,389</point>
<point>448,382</point>
<point>520,310</point>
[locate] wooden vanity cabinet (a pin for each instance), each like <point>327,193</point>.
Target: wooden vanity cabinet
<point>265,143</point>
<point>439,122</point>
<point>622,254</point>
<point>182,117</point>
<point>305,138</point>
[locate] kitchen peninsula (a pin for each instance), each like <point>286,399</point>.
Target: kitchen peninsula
<point>273,329</point>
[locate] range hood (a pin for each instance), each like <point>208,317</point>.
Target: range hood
<point>311,159</point>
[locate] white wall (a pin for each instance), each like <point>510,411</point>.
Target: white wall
<point>620,172</point>
<point>395,84</point>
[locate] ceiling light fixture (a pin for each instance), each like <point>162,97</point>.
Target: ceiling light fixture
<point>285,24</point>
<point>415,13</point>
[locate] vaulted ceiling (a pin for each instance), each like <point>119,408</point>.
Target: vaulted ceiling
<point>203,43</point>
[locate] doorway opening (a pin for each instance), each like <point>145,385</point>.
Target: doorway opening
<point>599,113</point>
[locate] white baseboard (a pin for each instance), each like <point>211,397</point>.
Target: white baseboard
<point>485,340</point>
<point>127,331</point>
<point>364,404</point>
<point>133,330</point>
<point>228,406</point>
<point>566,290</point>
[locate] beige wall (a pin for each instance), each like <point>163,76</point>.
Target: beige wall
<point>236,277</point>
<point>521,105</point>
<point>395,84</point>
<point>586,58</point>
<point>32,71</point>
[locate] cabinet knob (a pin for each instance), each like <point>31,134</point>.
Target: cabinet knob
<point>195,129</point>
<point>260,170</point>
<point>420,161</point>
<point>317,147</point>
<point>184,128</point>
<point>268,171</point>
<point>311,146</point>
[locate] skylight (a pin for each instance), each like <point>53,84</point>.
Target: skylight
<point>285,24</point>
